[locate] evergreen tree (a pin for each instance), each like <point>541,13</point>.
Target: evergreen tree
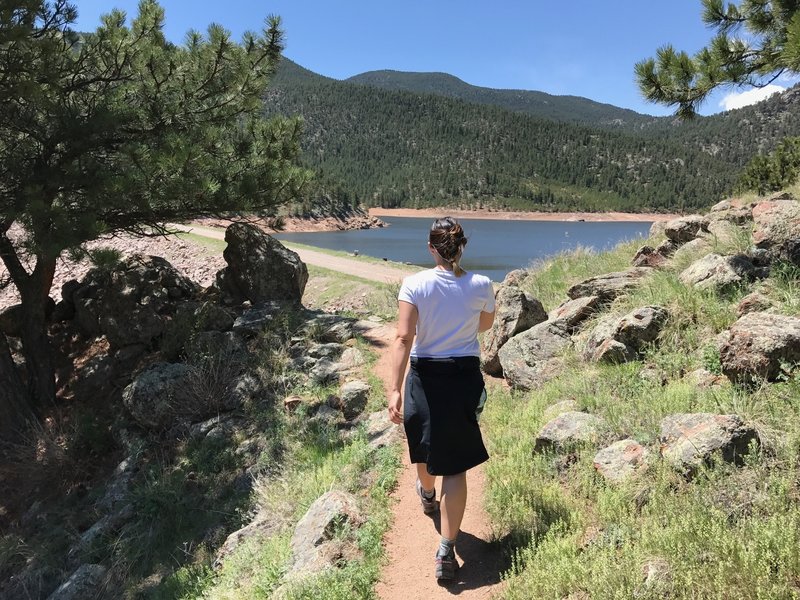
<point>121,131</point>
<point>769,48</point>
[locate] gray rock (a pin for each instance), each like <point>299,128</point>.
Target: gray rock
<point>621,460</point>
<point>325,371</point>
<point>691,251</point>
<point>313,543</point>
<point>569,429</point>
<point>758,347</point>
<point>516,311</point>
<point>261,527</point>
<point>85,582</point>
<point>754,302</point>
<point>352,358</point>
<point>381,431</point>
<point>718,272</point>
<point>777,229</point>
<point>704,379</point>
<point>722,205</point>
<point>572,313</point>
<point>160,394</point>
<point>127,303</point>
<point>224,345</point>
<point>256,320</point>
<point>532,357</point>
<point>667,248</point>
<point>352,399</point>
<point>609,286</point>
<point>11,320</point>
<point>515,277</point>
<point>260,268</point>
<point>647,256</point>
<point>684,229</point>
<point>622,339</point>
<point>690,440</point>
<point>552,411</point>
<point>657,229</point>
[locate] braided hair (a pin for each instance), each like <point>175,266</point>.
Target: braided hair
<point>448,239</point>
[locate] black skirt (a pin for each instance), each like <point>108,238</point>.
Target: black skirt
<point>442,396</point>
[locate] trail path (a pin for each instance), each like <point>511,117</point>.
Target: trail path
<point>357,268</point>
<point>413,538</point>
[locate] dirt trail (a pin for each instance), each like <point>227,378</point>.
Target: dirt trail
<point>357,268</point>
<point>413,538</point>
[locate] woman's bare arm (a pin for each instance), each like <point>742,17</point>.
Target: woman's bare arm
<point>486,320</point>
<point>401,348</point>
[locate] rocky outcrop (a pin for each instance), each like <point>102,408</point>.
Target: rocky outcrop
<point>260,269</point>
<point>262,526</point>
<point>691,440</point>
<point>777,228</point>
<point>159,394</point>
<point>569,429</point>
<point>609,286</point>
<point>315,546</point>
<point>621,460</point>
<point>129,302</point>
<point>516,311</point>
<point>753,302</point>
<point>622,339</point>
<point>759,346</point>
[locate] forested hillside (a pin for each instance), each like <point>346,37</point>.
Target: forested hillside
<point>391,148</point>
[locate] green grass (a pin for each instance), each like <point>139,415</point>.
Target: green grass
<point>731,532</point>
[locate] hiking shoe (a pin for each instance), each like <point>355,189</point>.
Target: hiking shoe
<point>429,505</point>
<point>446,567</point>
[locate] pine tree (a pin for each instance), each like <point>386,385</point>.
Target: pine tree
<point>768,48</point>
<point>120,130</point>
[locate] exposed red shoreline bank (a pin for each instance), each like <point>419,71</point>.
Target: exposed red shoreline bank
<point>520,216</point>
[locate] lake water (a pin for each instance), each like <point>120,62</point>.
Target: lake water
<point>495,247</point>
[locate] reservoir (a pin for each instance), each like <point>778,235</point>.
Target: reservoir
<point>495,247</point>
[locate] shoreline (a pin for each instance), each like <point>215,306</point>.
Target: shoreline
<point>522,216</point>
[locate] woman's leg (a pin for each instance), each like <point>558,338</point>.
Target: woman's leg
<point>427,480</point>
<point>453,503</point>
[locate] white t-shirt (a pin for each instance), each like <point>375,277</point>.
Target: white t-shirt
<point>449,308</point>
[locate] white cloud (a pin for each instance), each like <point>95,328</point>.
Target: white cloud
<point>749,97</point>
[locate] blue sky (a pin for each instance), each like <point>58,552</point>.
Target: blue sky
<point>582,48</point>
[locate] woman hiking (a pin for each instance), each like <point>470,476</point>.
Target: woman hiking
<point>441,310</point>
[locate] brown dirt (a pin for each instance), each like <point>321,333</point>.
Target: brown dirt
<point>413,538</point>
<point>519,216</point>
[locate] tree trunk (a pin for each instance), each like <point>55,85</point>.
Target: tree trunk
<point>35,342</point>
<point>14,411</point>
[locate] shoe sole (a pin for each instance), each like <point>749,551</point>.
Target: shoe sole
<point>446,571</point>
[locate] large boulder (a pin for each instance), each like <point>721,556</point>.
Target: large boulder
<point>758,347</point>
<point>516,312</point>
<point>609,286</point>
<point>647,256</point>
<point>719,272</point>
<point>690,440</point>
<point>684,229</point>
<point>128,303</point>
<point>260,268</point>
<point>777,228</point>
<point>567,430</point>
<point>160,394</point>
<point>315,544</point>
<point>532,357</point>
<point>619,339</point>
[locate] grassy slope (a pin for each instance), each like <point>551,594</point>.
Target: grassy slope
<point>731,533</point>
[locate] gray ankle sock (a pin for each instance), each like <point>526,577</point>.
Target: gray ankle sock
<point>445,547</point>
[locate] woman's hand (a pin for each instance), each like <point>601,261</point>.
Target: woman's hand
<point>395,408</point>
